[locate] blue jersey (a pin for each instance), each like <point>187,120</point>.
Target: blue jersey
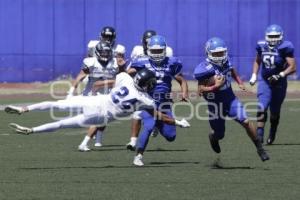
<point>165,72</point>
<point>205,70</point>
<point>274,60</point>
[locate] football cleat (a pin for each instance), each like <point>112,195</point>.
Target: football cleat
<point>131,146</point>
<point>21,129</point>
<point>98,144</point>
<point>83,148</point>
<point>138,160</point>
<point>214,143</point>
<point>271,138</point>
<point>263,154</point>
<point>155,132</point>
<point>14,110</point>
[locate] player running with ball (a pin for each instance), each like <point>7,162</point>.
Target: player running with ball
<point>220,97</point>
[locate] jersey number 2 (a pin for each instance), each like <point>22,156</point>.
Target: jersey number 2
<point>119,95</point>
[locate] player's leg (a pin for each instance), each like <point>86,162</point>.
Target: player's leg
<point>217,124</point>
<point>238,113</point>
<point>99,136</point>
<point>73,102</point>
<point>278,96</point>
<point>166,130</point>
<point>148,125</point>
<point>135,129</point>
<point>84,144</point>
<point>72,122</point>
<point>264,99</point>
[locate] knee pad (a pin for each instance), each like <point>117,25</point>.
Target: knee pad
<point>262,116</point>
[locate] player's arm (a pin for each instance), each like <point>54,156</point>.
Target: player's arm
<point>131,71</point>
<point>291,62</point>
<point>237,79</point>
<point>168,120</point>
<point>101,84</point>
<point>291,66</point>
<point>255,69</point>
<point>184,86</point>
<point>203,84</point>
<point>82,74</point>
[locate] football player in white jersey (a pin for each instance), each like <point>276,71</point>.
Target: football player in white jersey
<point>107,34</point>
<point>140,51</point>
<point>127,96</point>
<point>101,67</point>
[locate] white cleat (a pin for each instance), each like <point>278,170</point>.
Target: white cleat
<point>98,144</point>
<point>83,148</point>
<point>20,129</point>
<point>14,110</point>
<point>138,160</point>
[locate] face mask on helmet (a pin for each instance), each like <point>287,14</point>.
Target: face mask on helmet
<point>146,38</point>
<point>145,80</point>
<point>157,48</point>
<point>274,35</point>
<point>108,34</point>
<point>216,51</point>
<point>103,52</point>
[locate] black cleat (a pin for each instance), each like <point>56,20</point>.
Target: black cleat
<point>130,147</point>
<point>271,138</point>
<point>214,143</point>
<point>263,154</point>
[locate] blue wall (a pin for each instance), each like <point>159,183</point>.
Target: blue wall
<point>41,40</point>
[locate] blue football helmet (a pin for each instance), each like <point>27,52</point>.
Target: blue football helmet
<point>157,48</point>
<point>274,35</point>
<point>216,51</point>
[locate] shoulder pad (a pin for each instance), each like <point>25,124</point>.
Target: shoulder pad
<point>286,44</point>
<point>137,51</point>
<point>92,43</point>
<point>90,61</point>
<point>169,52</point>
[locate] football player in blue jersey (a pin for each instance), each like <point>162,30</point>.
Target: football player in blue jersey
<point>276,59</point>
<point>218,93</point>
<point>166,69</point>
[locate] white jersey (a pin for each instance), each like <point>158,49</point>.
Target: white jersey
<point>122,100</point>
<point>97,71</point>
<point>117,49</point>
<point>138,51</point>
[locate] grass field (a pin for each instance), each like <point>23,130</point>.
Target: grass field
<point>48,166</point>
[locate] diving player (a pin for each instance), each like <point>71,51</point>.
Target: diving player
<point>166,69</point>
<point>127,96</point>
<point>276,59</point>
<point>221,100</point>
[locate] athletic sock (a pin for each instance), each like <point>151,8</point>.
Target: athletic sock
<point>85,141</point>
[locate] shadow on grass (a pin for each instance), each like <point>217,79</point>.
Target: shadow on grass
<point>217,164</point>
<point>93,167</point>
<point>166,150</point>
<point>284,144</point>
<point>163,163</point>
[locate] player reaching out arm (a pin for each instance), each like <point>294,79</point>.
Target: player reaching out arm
<point>127,95</point>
